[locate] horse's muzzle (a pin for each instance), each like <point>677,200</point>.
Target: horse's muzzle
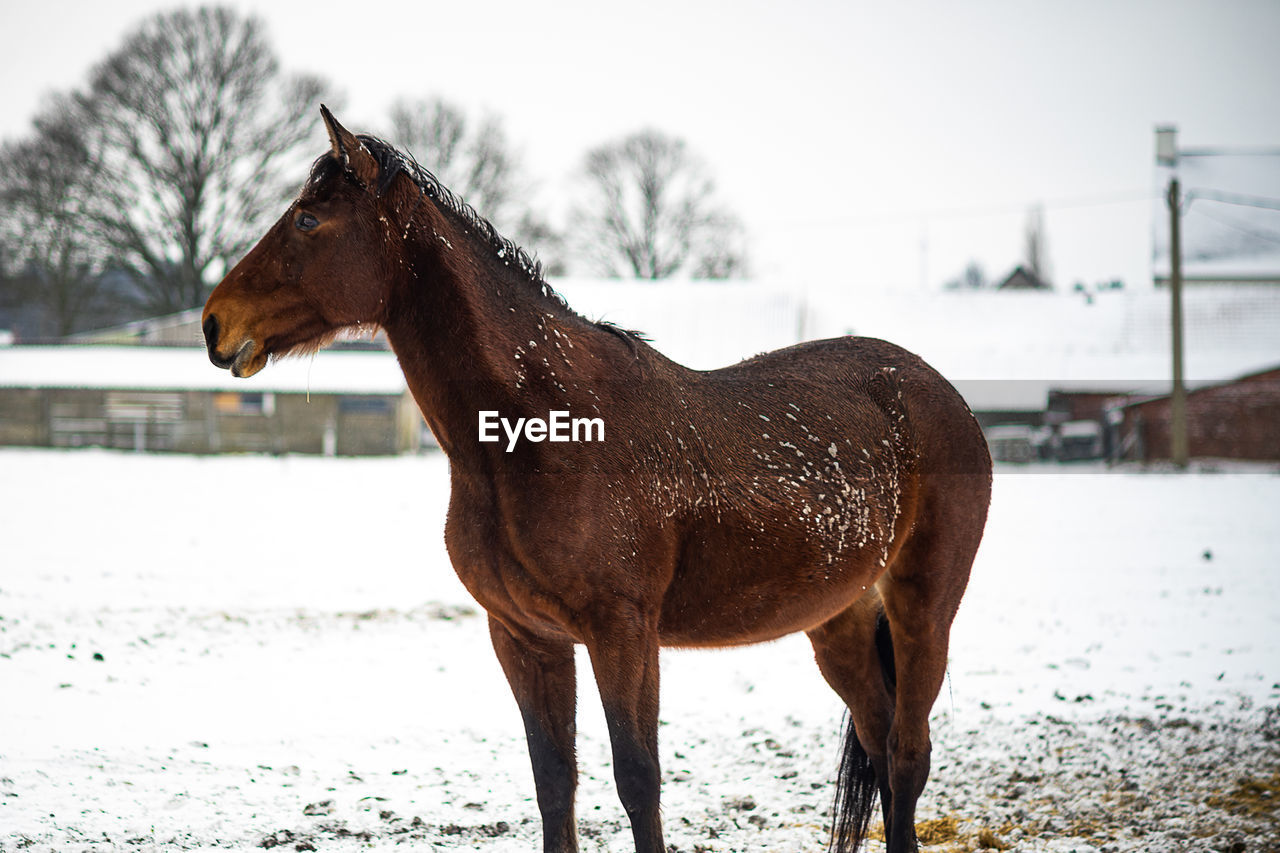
<point>237,361</point>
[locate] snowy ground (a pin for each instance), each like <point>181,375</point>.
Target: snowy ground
<point>249,653</point>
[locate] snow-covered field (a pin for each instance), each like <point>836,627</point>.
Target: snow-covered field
<point>246,653</point>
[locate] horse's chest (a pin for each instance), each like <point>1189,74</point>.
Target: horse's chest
<point>529,567</point>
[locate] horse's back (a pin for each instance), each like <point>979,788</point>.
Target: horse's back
<point>944,432</point>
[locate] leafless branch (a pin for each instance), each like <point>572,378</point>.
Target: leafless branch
<point>650,212</point>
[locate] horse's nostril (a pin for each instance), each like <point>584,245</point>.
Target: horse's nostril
<point>211,342</point>
<point>211,331</point>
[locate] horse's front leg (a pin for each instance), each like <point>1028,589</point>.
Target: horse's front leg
<point>541,675</point>
<point>624,656</point>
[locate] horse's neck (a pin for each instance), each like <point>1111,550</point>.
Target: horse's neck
<point>492,341</point>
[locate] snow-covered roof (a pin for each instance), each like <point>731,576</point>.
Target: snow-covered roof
<point>184,368</point>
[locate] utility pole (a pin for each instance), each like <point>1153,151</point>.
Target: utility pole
<point>1167,155</point>
<point>1178,444</point>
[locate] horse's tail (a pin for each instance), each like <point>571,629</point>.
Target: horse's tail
<point>856,783</point>
<point>855,795</point>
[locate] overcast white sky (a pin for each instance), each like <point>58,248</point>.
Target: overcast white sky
<point>865,144</point>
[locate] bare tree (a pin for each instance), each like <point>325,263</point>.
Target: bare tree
<point>474,161</point>
<point>477,162</point>
<point>1036,251</point>
<point>973,278</point>
<point>52,256</point>
<point>650,212</point>
<point>188,127</point>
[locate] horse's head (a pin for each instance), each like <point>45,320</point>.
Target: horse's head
<point>325,266</point>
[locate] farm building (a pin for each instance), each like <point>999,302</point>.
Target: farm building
<point>171,399</point>
<point>1039,364</point>
<point>1234,420</point>
<point>1022,279</point>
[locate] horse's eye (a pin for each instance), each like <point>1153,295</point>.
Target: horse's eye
<point>305,222</point>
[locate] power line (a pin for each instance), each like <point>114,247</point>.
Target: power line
<point>1232,198</point>
<point>978,211</point>
<point>1062,203</point>
<point>1253,233</point>
<point>1229,152</point>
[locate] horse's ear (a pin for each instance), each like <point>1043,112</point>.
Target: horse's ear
<point>341,140</point>
<point>349,151</point>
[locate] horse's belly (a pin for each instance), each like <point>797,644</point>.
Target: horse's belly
<point>717,605</point>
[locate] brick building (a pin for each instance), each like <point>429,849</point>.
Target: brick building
<point>1234,420</point>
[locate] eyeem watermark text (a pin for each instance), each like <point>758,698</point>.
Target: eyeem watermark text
<point>557,427</point>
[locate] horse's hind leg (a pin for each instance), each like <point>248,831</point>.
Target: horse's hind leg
<point>541,675</point>
<point>853,653</point>
<point>921,591</point>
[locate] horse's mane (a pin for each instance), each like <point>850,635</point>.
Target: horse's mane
<point>392,162</point>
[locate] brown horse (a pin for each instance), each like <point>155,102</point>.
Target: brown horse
<point>836,487</point>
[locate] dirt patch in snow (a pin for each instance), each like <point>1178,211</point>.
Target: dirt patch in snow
<point>1202,782</point>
